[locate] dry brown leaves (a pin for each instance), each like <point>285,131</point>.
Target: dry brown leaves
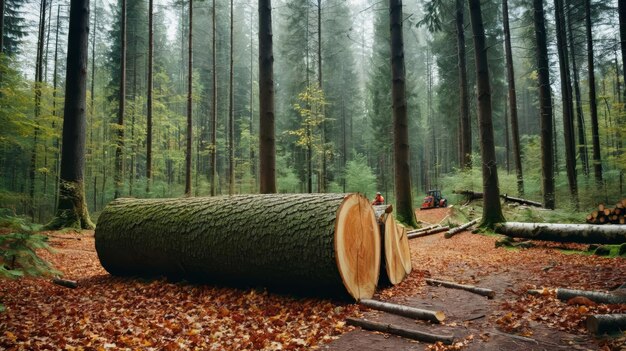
<point>106,312</point>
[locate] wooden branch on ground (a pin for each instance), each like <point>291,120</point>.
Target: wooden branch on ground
<point>415,231</point>
<point>578,233</point>
<point>595,296</point>
<point>428,232</point>
<point>396,330</point>
<point>405,311</point>
<point>599,324</point>
<point>72,284</point>
<point>469,195</point>
<point>473,289</point>
<point>452,232</point>
<point>521,201</point>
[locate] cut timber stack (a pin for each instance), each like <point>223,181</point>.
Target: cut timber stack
<point>605,215</point>
<point>396,255</point>
<point>318,243</point>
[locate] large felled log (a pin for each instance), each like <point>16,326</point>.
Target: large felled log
<point>428,232</point>
<point>599,324</point>
<point>578,233</point>
<point>319,243</point>
<point>473,289</point>
<point>452,232</point>
<point>405,249</point>
<point>394,248</point>
<point>405,311</point>
<point>520,201</point>
<point>396,330</point>
<point>595,296</point>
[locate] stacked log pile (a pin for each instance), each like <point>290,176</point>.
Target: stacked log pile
<point>318,244</point>
<point>606,215</point>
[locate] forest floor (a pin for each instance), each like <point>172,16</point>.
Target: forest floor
<point>107,312</point>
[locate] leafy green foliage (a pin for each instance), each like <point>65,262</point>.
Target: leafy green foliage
<point>360,177</point>
<point>18,256</point>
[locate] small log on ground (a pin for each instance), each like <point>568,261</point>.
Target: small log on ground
<point>396,330</point>
<point>428,232</point>
<point>578,233</point>
<point>393,268</point>
<point>315,243</point>
<point>452,232</point>
<point>595,296</point>
<point>72,284</point>
<point>599,324</point>
<point>521,201</point>
<point>415,231</point>
<point>473,289</point>
<point>405,311</point>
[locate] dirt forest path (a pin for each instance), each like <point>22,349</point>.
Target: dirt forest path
<point>112,313</point>
<point>512,320</point>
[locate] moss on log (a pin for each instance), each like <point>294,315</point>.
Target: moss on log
<point>317,243</point>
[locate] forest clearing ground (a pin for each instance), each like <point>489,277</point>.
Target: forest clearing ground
<point>107,312</point>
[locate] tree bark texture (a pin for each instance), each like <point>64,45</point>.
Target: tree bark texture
<point>599,324</point>
<point>545,103</point>
<point>595,296</point>
<point>404,202</point>
<point>510,76</point>
<point>1,27</point>
<point>405,311</point>
<point>567,101</point>
<point>321,243</point>
<point>119,149</point>
<point>492,211</point>
<point>578,233</point>
<point>593,104</point>
<point>466,126</point>
<point>72,208</point>
<point>267,140</point>
<point>405,333</point>
<point>473,289</point>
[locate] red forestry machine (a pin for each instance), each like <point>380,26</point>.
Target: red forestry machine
<point>434,199</point>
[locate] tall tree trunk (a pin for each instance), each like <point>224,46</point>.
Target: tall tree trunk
<point>545,102</point>
<point>568,108</point>
<point>319,82</point>
<point>189,104</point>
<point>492,212</point>
<point>621,6</point>
<point>582,142</point>
<point>92,96</point>
<point>251,127</point>
<point>57,143</point>
<point>150,97</point>
<point>593,106</point>
<point>231,117</point>
<point>267,146</point>
<point>466,126</point>
<point>38,83</point>
<point>510,75</point>
<point>1,26</point>
<point>119,150</point>
<point>404,202</point>
<point>72,209</point>
<point>213,177</point>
